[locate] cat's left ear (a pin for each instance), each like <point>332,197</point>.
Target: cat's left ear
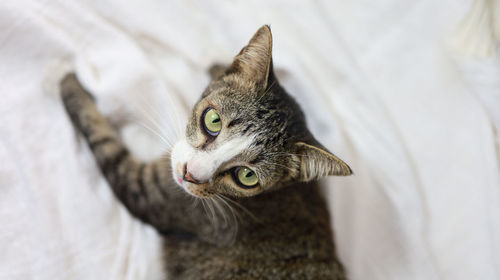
<point>316,162</point>
<point>254,62</point>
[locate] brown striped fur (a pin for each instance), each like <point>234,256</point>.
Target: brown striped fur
<point>280,232</point>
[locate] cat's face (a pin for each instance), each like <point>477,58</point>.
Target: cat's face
<point>246,135</point>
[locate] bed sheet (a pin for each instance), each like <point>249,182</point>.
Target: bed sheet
<point>406,92</point>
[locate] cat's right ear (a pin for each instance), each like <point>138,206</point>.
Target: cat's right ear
<point>254,62</point>
<point>316,162</point>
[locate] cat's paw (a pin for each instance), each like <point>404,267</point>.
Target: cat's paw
<point>76,100</point>
<point>70,86</point>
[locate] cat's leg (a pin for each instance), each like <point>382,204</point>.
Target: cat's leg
<point>146,189</point>
<point>141,187</point>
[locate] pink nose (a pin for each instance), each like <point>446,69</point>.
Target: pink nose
<point>188,176</point>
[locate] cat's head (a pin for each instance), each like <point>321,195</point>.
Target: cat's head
<point>246,135</point>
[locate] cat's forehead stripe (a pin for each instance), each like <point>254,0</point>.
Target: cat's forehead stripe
<point>234,122</point>
<point>231,148</point>
<point>257,159</point>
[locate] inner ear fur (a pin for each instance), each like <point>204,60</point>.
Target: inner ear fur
<point>316,162</point>
<point>254,62</point>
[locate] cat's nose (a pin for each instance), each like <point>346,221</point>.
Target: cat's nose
<point>188,177</point>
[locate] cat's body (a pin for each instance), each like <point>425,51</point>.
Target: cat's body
<point>291,240</point>
<point>277,228</point>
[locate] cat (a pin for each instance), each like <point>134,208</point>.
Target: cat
<point>250,160</point>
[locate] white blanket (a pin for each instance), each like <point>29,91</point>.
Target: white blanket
<point>406,92</point>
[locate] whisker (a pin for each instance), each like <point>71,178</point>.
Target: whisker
<point>194,202</point>
<point>242,208</point>
<point>204,206</point>
<point>212,213</point>
<point>221,210</point>
<point>235,215</point>
<point>169,133</point>
<point>152,119</point>
<point>165,140</point>
<point>173,112</point>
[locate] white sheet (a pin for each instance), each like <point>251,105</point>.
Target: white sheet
<point>407,92</point>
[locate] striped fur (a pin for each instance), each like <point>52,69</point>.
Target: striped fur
<point>279,230</point>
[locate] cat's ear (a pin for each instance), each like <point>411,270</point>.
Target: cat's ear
<point>254,62</point>
<point>316,163</point>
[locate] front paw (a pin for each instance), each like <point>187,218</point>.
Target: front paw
<point>78,102</point>
<point>71,87</point>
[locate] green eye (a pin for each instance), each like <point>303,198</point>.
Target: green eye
<point>246,177</point>
<point>212,122</point>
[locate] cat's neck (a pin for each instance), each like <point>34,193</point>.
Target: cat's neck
<point>296,202</point>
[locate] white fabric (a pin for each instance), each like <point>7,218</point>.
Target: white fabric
<point>406,92</point>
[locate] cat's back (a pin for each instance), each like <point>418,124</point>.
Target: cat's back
<point>289,238</point>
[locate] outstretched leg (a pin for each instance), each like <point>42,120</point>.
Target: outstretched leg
<point>146,189</point>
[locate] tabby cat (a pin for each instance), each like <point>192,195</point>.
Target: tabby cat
<point>250,161</point>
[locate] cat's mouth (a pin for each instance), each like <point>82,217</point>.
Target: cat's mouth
<point>197,190</point>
